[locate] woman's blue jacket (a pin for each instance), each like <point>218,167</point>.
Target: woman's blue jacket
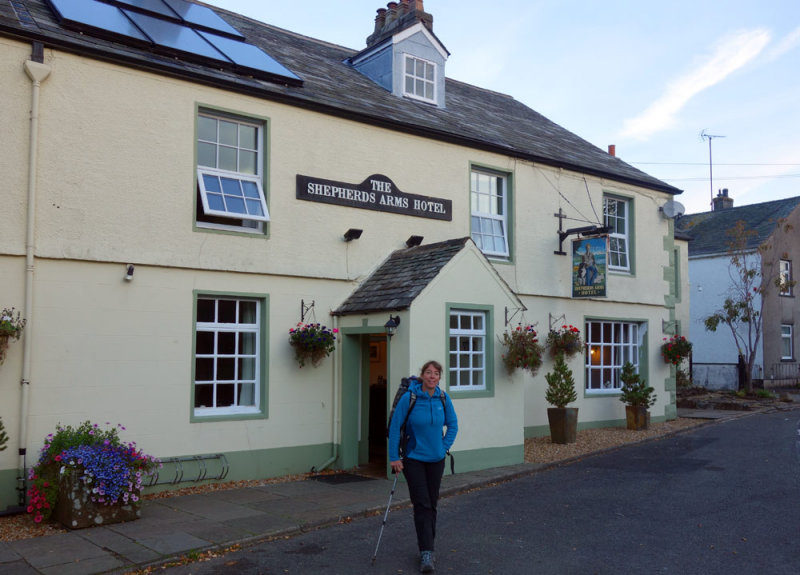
<point>425,425</point>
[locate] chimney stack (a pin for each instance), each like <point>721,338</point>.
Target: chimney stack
<point>722,201</point>
<point>398,16</point>
<point>612,150</point>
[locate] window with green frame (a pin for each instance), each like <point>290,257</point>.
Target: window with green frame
<point>229,376</point>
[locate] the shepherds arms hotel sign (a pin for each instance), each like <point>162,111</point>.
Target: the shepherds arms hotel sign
<point>377,192</point>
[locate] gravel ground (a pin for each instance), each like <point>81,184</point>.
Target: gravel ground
<point>537,450</point>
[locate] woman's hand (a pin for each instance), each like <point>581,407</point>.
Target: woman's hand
<point>397,466</point>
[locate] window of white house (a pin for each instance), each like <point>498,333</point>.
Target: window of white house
<point>467,355</point>
<point>227,360</point>
<point>618,220</point>
<point>610,344</point>
<point>786,277</point>
<point>420,79</point>
<point>229,173</point>
<point>489,207</point>
<point>786,342</point>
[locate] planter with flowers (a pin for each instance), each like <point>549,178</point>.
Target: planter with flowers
<point>11,327</point>
<point>566,340</point>
<point>312,342</point>
<point>87,476</point>
<point>675,349</point>
<point>522,350</point>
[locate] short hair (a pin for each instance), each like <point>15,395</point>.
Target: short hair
<point>430,363</point>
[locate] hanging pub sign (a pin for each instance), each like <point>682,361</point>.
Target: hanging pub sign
<point>589,267</point>
<point>377,192</point>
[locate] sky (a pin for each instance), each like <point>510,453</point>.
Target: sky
<point>702,94</point>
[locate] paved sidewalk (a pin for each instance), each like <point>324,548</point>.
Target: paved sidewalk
<point>176,526</point>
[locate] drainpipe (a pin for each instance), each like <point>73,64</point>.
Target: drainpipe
<point>337,382</point>
<point>38,72</point>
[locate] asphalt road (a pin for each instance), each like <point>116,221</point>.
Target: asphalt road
<point>722,499</point>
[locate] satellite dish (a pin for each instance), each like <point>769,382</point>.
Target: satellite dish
<point>672,209</point>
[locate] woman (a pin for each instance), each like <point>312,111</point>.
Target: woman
<point>423,457</point>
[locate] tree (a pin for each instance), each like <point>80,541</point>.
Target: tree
<point>753,276</point>
<point>560,384</point>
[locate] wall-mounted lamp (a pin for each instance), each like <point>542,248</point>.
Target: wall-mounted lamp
<point>391,325</point>
<point>129,272</point>
<point>352,234</point>
<point>413,241</point>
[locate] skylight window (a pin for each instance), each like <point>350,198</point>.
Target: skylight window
<point>420,79</point>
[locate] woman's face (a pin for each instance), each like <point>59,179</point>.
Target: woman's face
<point>430,377</point>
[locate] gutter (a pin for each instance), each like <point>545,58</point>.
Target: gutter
<point>38,72</point>
<point>335,421</point>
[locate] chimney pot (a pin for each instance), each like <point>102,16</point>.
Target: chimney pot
<point>612,150</point>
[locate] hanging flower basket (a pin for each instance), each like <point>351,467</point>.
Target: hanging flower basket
<point>566,340</point>
<point>675,349</point>
<point>312,342</point>
<point>11,327</point>
<point>522,350</point>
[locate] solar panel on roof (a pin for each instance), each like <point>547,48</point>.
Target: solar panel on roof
<point>202,16</point>
<point>174,36</point>
<point>247,55</point>
<point>156,6</point>
<point>98,15</point>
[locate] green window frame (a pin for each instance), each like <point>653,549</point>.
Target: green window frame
<point>470,345</point>
<point>490,211</point>
<point>229,356</point>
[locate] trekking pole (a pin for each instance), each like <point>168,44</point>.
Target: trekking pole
<point>385,515</point>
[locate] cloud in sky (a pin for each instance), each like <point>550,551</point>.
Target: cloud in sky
<point>731,53</point>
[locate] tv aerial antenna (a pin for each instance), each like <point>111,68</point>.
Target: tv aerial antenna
<point>703,136</point>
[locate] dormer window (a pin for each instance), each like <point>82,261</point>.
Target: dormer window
<point>420,79</point>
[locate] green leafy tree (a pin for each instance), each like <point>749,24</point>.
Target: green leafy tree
<point>753,275</point>
<point>560,384</point>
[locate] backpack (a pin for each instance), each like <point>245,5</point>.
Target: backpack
<point>405,383</point>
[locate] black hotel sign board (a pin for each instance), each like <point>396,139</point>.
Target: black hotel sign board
<point>377,192</point>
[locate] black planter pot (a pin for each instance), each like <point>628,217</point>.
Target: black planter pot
<point>563,424</point>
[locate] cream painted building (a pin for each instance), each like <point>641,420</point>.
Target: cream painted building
<point>171,212</point>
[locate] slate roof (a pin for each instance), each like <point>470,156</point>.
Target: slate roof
<point>401,278</point>
<point>473,116</point>
<point>708,229</point>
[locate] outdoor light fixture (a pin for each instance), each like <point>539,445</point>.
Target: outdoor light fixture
<point>391,325</point>
<point>129,272</point>
<point>413,241</point>
<point>352,234</point>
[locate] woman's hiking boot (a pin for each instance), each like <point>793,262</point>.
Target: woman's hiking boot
<point>426,562</point>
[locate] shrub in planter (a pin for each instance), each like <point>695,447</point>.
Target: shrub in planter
<point>637,396</point>
<point>560,391</point>
<point>675,349</point>
<point>312,342</point>
<point>108,471</point>
<point>522,350</point>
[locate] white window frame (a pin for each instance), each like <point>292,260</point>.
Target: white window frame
<point>785,278</point>
<point>232,220</point>
<point>418,81</point>
<point>786,342</point>
<point>467,355</point>
<point>609,345</point>
<point>237,357</point>
<point>489,211</point>
<point>619,245</point>
<point>239,180</point>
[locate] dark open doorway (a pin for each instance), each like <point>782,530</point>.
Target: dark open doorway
<point>377,406</point>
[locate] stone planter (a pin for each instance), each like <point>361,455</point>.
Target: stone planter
<point>75,510</point>
<point>637,417</point>
<point>563,424</point>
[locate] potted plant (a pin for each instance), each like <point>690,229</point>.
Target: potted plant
<point>11,327</point>
<point>522,350</point>
<point>637,396</point>
<point>566,340</point>
<point>87,476</point>
<point>563,420</point>
<point>312,341</point>
<point>675,349</point>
